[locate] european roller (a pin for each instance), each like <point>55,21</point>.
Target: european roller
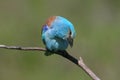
<point>58,33</point>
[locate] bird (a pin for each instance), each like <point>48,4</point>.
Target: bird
<point>57,33</point>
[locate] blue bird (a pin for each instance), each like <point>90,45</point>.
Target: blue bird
<point>58,33</point>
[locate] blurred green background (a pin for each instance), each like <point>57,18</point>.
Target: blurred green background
<point>97,23</point>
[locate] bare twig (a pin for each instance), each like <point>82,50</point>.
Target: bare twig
<point>87,70</point>
<point>64,54</point>
<point>23,48</point>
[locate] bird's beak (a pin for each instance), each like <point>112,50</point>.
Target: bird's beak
<point>70,41</point>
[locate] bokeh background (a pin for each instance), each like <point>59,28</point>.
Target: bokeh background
<point>97,23</point>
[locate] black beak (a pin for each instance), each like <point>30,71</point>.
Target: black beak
<point>70,41</point>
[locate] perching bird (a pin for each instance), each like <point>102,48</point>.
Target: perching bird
<point>58,33</point>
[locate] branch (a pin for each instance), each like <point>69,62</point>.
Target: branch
<point>64,54</point>
<point>23,48</point>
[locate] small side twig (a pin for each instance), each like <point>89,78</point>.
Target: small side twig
<point>87,70</point>
<point>64,54</point>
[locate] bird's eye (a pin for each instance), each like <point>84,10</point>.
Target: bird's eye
<point>70,33</point>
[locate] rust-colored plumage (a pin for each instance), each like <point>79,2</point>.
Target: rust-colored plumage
<point>50,20</point>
